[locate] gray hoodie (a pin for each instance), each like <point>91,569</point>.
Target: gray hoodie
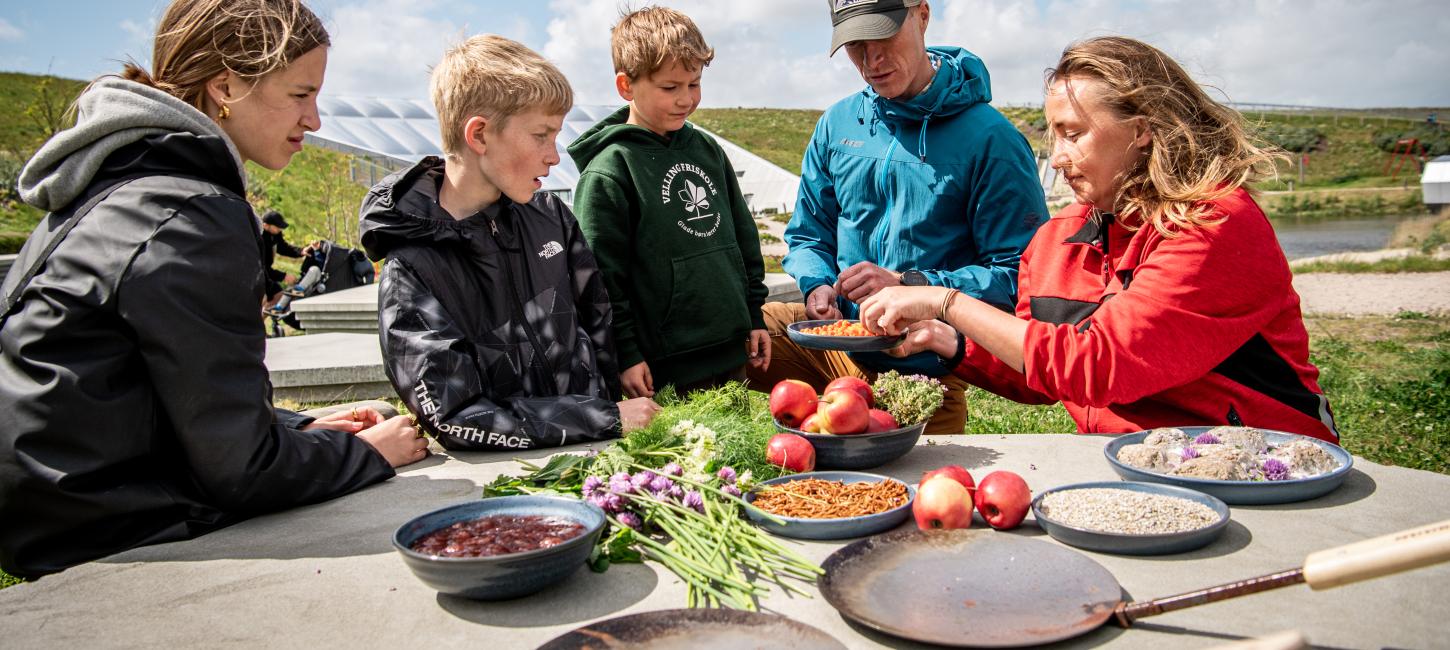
<point>112,113</point>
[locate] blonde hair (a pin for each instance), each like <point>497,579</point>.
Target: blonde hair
<point>644,41</point>
<point>1201,150</point>
<point>496,78</point>
<point>198,39</point>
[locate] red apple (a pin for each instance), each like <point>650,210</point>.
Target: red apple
<point>942,503</point>
<point>792,401</point>
<point>854,384</point>
<point>791,451</point>
<point>1003,499</point>
<point>812,424</point>
<point>843,413</point>
<point>954,472</point>
<point>880,421</point>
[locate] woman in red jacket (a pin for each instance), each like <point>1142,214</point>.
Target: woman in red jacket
<point>1161,297</point>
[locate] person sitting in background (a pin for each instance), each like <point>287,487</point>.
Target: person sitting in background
<point>273,244</point>
<point>1161,297</point>
<point>138,410</point>
<point>494,320</point>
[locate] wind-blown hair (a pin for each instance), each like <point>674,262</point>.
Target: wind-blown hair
<point>1201,149</point>
<point>199,39</point>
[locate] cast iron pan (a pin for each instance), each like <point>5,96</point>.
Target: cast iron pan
<point>979,588</point>
<point>692,629</point>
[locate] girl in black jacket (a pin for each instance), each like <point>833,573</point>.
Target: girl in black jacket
<point>138,408</point>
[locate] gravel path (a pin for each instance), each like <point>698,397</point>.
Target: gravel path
<point>1362,294</point>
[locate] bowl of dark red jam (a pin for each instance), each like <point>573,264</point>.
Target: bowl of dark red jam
<point>502,547</point>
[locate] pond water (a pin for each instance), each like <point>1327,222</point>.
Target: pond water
<point>1326,236</point>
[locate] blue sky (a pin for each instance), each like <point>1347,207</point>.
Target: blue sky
<point>772,52</point>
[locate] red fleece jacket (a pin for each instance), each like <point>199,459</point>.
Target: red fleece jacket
<point>1132,330</point>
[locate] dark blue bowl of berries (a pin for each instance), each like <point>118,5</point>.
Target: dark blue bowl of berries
<point>501,547</point>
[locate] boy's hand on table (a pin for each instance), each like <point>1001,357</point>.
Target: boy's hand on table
<point>637,413</point>
<point>637,381</point>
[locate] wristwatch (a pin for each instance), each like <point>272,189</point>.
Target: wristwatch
<point>914,278</point>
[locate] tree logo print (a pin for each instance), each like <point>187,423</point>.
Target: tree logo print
<point>694,197</point>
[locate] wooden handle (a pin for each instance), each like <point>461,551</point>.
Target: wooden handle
<point>1381,556</point>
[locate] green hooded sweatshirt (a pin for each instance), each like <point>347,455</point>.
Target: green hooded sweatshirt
<point>678,246</point>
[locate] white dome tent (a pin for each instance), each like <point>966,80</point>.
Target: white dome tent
<point>395,133</point>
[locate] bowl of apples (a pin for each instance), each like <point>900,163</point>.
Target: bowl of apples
<point>842,423</point>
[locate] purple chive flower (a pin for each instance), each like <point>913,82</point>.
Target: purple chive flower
<point>630,519</point>
<point>731,490</point>
<point>612,503</point>
<point>641,479</point>
<point>592,485</point>
<point>661,484</point>
<point>675,492</point>
<point>1207,439</point>
<point>727,474</point>
<point>598,500</point>
<point>1275,470</point>
<point>672,469</point>
<point>620,484</point>
<point>694,500</point>
<point>1189,453</point>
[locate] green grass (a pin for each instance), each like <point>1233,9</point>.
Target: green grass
<point>7,580</point>
<point>988,413</point>
<point>1410,264</point>
<point>775,134</point>
<point>1388,381</point>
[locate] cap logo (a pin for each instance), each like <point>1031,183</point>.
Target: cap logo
<point>842,5</point>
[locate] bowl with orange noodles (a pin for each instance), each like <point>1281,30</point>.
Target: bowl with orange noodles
<point>830,505</point>
<point>842,335</point>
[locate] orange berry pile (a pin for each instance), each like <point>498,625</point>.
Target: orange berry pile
<point>839,328</point>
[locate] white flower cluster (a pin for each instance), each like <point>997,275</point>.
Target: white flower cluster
<point>700,446</point>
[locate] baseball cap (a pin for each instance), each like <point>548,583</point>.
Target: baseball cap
<point>866,20</point>
<point>274,218</point>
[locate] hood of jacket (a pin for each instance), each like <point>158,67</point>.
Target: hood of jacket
<point>961,81</point>
<point>111,114</point>
<point>403,209</point>
<point>615,129</point>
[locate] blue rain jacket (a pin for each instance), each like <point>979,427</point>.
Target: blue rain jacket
<point>941,183</point>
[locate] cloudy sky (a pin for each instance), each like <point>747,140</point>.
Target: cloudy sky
<point>1342,53</point>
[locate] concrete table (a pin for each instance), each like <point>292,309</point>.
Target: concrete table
<point>327,576</point>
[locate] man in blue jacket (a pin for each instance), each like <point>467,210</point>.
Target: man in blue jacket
<point>914,180</point>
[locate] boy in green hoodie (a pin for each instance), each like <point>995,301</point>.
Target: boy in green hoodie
<point>659,203</point>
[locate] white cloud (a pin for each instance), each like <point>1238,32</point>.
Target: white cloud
<point>9,32</point>
<point>772,52</point>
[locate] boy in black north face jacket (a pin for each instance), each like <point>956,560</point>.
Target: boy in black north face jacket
<point>493,316</point>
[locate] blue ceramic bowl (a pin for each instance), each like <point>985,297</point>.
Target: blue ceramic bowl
<point>862,450</point>
<point>842,343</point>
<point>842,528</point>
<point>1239,492</point>
<point>501,577</point>
<point>1104,542</point>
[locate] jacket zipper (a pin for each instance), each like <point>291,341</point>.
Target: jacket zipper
<point>537,362</point>
<point>878,233</point>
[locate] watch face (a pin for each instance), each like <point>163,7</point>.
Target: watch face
<point>914,279</point>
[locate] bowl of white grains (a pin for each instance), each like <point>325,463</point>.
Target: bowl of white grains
<point>1130,518</point>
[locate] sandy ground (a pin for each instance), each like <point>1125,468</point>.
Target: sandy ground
<point>1361,294</point>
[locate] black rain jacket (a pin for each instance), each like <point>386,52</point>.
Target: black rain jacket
<point>136,408</point>
<point>495,329</point>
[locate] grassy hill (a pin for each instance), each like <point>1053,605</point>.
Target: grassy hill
<point>317,197</point>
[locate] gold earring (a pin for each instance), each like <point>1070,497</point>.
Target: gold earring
<point>224,113</point>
